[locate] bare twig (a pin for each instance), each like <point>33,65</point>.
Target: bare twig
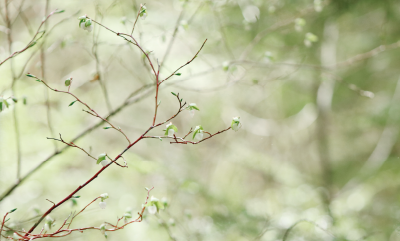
<point>35,38</point>
<point>87,106</point>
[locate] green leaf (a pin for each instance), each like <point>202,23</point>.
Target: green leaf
<point>59,11</point>
<point>73,102</point>
<point>14,99</point>
<point>173,93</point>
<point>37,211</point>
<point>159,205</point>
<point>179,74</point>
<point>107,127</point>
<point>101,158</point>
<point>7,220</point>
<point>193,106</point>
<point>74,202</point>
<point>31,75</point>
<point>13,210</point>
<point>197,130</point>
<point>68,82</point>
<point>6,103</point>
<point>311,37</point>
<point>88,23</point>
<point>32,44</point>
<point>160,138</point>
<point>236,125</point>
<point>82,21</point>
<point>76,196</point>
<point>1,105</point>
<point>169,127</point>
<point>24,100</point>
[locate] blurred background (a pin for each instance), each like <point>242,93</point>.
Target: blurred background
<point>316,84</point>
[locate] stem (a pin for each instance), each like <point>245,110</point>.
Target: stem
<point>87,106</point>
<point>2,224</point>
<point>174,34</point>
<point>81,135</point>
<point>137,17</point>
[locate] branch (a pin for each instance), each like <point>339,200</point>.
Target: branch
<point>137,17</point>
<point>71,144</point>
<point>83,103</point>
<point>127,103</point>
<point>182,139</point>
<point>33,40</point>
<point>64,232</point>
<point>195,56</point>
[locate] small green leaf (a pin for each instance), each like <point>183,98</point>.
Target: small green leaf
<point>236,125</point>
<point>1,105</point>
<point>146,188</point>
<point>74,202</point>
<point>311,37</point>
<point>173,93</point>
<point>68,82</point>
<point>14,99</point>
<point>6,103</point>
<point>13,210</point>
<point>160,138</point>
<point>179,74</point>
<point>32,44</point>
<point>82,21</point>
<point>159,102</point>
<point>37,211</point>
<point>169,127</point>
<point>107,127</point>
<point>193,106</point>
<point>197,130</point>
<point>31,75</point>
<point>24,100</point>
<point>73,102</point>
<point>101,158</point>
<point>159,205</point>
<point>7,220</point>
<point>76,196</point>
<point>88,23</point>
<point>59,11</point>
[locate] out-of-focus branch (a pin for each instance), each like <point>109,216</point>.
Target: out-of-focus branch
<point>99,75</point>
<point>287,232</point>
<point>43,70</point>
<point>352,60</point>
<point>222,31</point>
<point>33,41</point>
<point>272,28</point>
<point>171,42</point>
